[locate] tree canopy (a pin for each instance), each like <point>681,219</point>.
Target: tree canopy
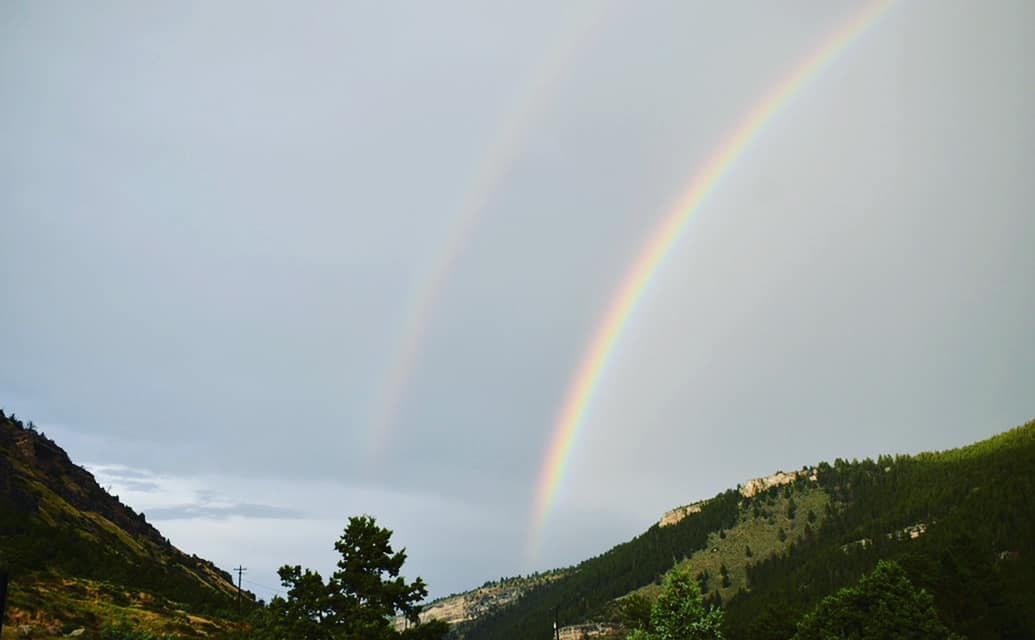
<point>359,601</point>
<point>680,613</point>
<point>883,604</point>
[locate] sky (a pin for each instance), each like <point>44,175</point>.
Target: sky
<point>267,266</point>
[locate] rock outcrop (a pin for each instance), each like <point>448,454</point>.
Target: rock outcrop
<point>748,489</point>
<point>677,514</point>
<point>758,485</point>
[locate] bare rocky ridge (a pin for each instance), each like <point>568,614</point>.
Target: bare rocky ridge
<point>677,514</point>
<point>757,485</point>
<point>748,489</point>
<point>473,604</point>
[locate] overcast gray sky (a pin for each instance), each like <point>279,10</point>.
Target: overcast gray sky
<point>217,217</point>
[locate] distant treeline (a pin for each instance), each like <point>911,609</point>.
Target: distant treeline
<point>587,591</point>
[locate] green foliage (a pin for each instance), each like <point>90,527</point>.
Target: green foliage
<point>680,613</point>
<point>57,525</point>
<point>771,623</point>
<point>358,601</point>
<point>759,535</point>
<point>975,556</point>
<point>124,630</point>
<point>585,593</point>
<point>883,604</point>
<point>633,611</point>
<point>975,553</point>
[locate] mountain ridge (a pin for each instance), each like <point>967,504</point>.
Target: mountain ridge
<point>77,555</point>
<point>818,530</point>
<point>960,522</point>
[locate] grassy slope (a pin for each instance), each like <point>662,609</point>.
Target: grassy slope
<point>46,600</point>
<point>78,557</point>
<point>585,593</point>
<point>757,530</point>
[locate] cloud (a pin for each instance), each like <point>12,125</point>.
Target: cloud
<point>217,512</point>
<point>265,522</point>
<point>181,497</point>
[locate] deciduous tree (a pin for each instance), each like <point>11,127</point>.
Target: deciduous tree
<point>680,613</point>
<point>883,604</point>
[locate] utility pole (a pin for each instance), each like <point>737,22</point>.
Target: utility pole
<point>240,570</point>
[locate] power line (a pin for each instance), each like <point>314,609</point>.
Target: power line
<point>275,590</point>
<point>264,586</point>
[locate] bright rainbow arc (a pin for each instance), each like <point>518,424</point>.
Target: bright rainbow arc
<point>580,393</point>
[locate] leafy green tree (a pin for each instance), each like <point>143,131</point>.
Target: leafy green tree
<point>633,611</point>
<point>358,601</point>
<point>883,604</point>
<point>679,613</point>
<point>775,622</point>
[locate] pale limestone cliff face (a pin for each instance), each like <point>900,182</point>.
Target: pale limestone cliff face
<point>580,631</point>
<point>677,514</point>
<point>481,601</point>
<point>748,490</point>
<point>451,611</point>
<point>758,485</point>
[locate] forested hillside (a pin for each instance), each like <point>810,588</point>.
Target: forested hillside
<point>588,589</point>
<point>961,523</point>
<point>77,556</point>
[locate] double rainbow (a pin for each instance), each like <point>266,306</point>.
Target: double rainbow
<point>581,390</point>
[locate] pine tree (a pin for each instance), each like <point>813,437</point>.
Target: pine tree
<point>359,600</point>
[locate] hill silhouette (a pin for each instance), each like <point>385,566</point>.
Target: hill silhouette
<point>78,557</point>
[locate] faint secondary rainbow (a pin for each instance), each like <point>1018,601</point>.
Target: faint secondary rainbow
<point>543,84</point>
<point>580,391</point>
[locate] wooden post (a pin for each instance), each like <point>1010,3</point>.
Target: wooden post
<point>3,599</point>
